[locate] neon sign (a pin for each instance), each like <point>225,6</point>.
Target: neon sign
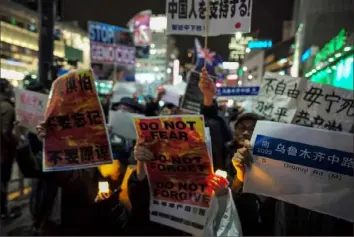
<point>339,75</point>
<point>331,47</point>
<point>260,44</point>
<point>306,55</point>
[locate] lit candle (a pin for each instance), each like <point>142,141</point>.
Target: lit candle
<point>103,187</point>
<point>221,173</point>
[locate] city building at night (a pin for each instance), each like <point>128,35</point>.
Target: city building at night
<point>317,22</point>
<point>279,58</point>
<point>238,46</point>
<point>333,63</point>
<point>157,68</point>
<point>19,43</point>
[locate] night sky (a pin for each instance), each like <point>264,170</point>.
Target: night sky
<point>267,17</point>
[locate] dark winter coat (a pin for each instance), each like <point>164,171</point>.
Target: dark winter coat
<point>139,196</point>
<point>219,132</point>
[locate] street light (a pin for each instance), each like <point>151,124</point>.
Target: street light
<point>238,35</point>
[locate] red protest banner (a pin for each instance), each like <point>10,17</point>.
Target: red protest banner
<point>76,130</point>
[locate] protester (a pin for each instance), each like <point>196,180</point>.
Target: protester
<point>253,209</point>
<point>219,131</point>
<point>140,197</point>
<point>44,191</point>
<point>288,219</point>
<point>153,107</point>
<point>169,109</point>
<point>242,130</point>
<point>83,210</point>
<point>8,145</point>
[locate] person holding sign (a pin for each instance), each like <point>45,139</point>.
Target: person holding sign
<point>86,209</point>
<point>140,197</point>
<point>285,219</point>
<point>251,207</point>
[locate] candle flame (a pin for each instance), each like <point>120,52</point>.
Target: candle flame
<point>221,173</point>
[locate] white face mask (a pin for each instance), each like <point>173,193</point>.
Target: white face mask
<point>122,123</point>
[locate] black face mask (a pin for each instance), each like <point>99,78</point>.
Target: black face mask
<point>122,148</point>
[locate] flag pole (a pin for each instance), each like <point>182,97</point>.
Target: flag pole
<point>206,28</point>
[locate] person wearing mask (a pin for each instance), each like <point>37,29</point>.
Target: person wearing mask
<point>219,131</point>
<point>8,144</point>
<point>169,109</point>
<point>253,209</point>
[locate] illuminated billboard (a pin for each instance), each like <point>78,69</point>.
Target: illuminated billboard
<point>338,75</point>
<point>260,44</point>
<point>112,51</point>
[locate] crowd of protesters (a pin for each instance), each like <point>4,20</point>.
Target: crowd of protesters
<point>83,212</point>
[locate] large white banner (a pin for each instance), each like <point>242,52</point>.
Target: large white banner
<point>327,107</point>
<point>295,100</point>
<point>187,17</point>
<point>30,108</point>
<point>278,96</point>
<point>308,167</point>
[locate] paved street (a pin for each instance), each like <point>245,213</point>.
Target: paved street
<point>16,226</point>
<point>15,183</point>
<point>18,195</point>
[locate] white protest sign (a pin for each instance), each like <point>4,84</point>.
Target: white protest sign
<point>30,108</point>
<point>327,107</point>
<point>122,123</point>
<point>277,99</point>
<point>171,96</point>
<point>187,17</point>
<point>308,167</point>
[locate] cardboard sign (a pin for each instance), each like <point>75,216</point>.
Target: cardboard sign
<point>76,131</point>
